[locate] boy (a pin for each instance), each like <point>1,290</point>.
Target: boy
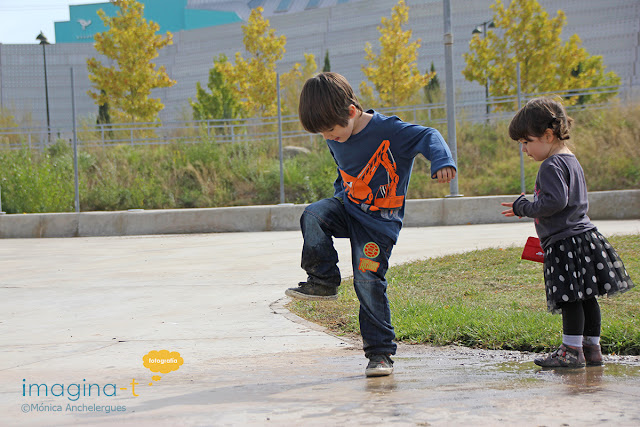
<point>374,155</point>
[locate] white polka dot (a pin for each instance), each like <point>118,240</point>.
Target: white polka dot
<point>600,266</point>
<point>550,250</point>
<point>562,248</point>
<point>557,260</point>
<point>606,245</point>
<point>565,298</point>
<point>552,268</point>
<point>587,259</point>
<point>579,294</point>
<point>566,267</point>
<point>593,246</point>
<point>593,279</point>
<point>607,286</point>
<point>579,240</point>
<point>617,264</point>
<point>571,286</point>
<point>624,284</point>
<point>604,254</point>
<point>589,291</point>
<point>570,254</point>
<point>612,274</point>
<point>561,277</point>
<point>555,288</point>
<point>584,271</point>
<point>575,274</point>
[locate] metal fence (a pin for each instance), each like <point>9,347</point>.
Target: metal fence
<point>266,128</point>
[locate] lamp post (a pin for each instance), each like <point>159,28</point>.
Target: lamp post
<point>482,29</point>
<point>43,41</point>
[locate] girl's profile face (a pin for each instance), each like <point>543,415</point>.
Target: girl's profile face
<point>538,148</point>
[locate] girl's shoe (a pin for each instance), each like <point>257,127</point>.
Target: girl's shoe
<point>592,354</point>
<point>563,357</point>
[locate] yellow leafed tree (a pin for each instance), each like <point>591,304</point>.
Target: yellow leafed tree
<point>394,72</point>
<point>291,83</point>
<point>130,43</point>
<point>524,33</point>
<point>254,78</point>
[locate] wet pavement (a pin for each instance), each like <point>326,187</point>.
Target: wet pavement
<point>80,314</point>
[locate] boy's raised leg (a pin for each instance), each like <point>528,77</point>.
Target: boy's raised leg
<point>320,222</point>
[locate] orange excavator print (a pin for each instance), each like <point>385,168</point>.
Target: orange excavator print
<point>358,189</point>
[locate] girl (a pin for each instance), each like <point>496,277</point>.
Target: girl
<point>579,263</point>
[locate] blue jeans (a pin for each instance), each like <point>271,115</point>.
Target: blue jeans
<point>370,252</point>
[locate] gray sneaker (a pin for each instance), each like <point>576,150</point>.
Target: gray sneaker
<point>313,292</point>
<point>379,366</point>
<point>563,357</point>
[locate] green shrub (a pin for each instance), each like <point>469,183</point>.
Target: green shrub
<point>210,174</point>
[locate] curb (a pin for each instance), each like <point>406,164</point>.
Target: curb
<point>603,205</point>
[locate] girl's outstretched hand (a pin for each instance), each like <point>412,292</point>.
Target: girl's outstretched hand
<point>508,212</point>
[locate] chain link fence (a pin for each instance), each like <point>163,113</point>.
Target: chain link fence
<point>266,128</point>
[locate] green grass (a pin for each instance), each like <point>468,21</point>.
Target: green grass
<point>211,174</point>
<point>485,299</point>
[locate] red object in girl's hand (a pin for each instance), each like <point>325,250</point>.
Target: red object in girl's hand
<point>532,250</point>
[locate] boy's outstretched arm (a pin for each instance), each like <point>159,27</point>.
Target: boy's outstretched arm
<point>446,174</point>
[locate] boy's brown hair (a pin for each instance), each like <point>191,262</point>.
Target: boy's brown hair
<point>324,102</point>
<point>538,115</point>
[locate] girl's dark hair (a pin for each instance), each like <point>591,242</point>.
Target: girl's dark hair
<point>538,115</point>
<point>324,102</point>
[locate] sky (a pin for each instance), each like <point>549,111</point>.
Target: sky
<point>22,20</point>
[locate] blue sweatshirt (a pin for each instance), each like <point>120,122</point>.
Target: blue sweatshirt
<point>374,168</point>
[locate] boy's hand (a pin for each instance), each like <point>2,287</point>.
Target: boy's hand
<point>445,174</point>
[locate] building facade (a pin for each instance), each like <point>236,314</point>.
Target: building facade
<point>341,27</point>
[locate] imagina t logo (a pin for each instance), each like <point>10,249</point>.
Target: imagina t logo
<point>157,361</point>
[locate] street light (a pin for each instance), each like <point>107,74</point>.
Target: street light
<point>43,41</point>
<point>482,29</point>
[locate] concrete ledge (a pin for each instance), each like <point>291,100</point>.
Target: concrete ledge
<point>623,204</point>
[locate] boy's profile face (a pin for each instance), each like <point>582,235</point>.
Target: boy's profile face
<point>342,133</point>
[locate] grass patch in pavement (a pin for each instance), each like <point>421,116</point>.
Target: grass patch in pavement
<point>484,299</point>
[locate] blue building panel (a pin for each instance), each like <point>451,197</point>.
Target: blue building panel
<point>283,6</point>
<point>83,23</point>
<point>255,3</point>
<point>313,4</point>
<point>170,15</point>
<point>208,18</point>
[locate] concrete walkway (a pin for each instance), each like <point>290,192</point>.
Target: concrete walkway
<point>84,311</point>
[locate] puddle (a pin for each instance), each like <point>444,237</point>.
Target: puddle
<point>618,370</point>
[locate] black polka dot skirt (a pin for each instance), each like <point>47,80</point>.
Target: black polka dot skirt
<point>581,267</point>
